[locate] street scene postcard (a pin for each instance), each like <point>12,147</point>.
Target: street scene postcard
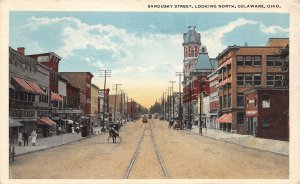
<point>171,91</point>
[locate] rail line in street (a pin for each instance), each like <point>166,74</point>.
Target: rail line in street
<point>154,146</point>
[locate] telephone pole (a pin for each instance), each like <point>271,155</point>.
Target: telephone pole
<point>179,108</point>
<point>115,107</point>
<point>104,73</point>
<point>173,99</point>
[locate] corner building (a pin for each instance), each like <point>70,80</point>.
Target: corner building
<point>242,68</point>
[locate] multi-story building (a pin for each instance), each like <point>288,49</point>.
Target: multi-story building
<point>197,65</point>
<point>242,68</point>
<point>267,112</point>
<point>82,81</point>
<point>116,106</point>
<point>29,97</point>
<point>213,99</point>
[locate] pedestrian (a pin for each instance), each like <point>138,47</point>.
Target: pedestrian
<point>72,130</point>
<point>59,130</point>
<point>25,137</point>
<point>20,138</point>
<point>33,137</point>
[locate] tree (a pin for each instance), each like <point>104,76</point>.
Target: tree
<point>284,54</point>
<point>156,108</point>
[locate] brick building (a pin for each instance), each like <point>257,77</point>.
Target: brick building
<point>197,65</point>
<point>30,92</point>
<point>82,81</point>
<point>213,99</point>
<point>267,113</point>
<point>242,68</point>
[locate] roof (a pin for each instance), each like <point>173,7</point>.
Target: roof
<point>76,79</point>
<point>191,36</point>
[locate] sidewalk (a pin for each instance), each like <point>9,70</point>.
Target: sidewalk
<point>47,142</point>
<point>275,146</point>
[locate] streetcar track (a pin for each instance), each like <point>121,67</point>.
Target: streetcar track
<point>134,157</point>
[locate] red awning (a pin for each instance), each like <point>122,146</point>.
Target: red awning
<point>45,121</point>
<point>23,84</point>
<point>219,120</point>
<point>225,118</point>
<point>36,88</point>
<point>56,97</point>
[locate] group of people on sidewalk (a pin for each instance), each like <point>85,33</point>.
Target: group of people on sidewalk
<point>23,137</point>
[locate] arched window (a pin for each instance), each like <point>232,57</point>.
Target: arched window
<point>192,51</point>
<point>185,52</point>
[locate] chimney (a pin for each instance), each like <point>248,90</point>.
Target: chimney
<point>21,50</point>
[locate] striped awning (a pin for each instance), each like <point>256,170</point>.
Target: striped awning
<point>55,97</point>
<point>45,121</point>
<point>226,81</point>
<point>225,118</point>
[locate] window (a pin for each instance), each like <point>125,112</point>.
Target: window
<point>240,60</point>
<point>265,101</point>
<point>257,79</point>
<point>225,102</point>
<point>240,100</point>
<point>257,60</point>
<point>247,102</point>
<point>248,61</point>
<point>265,122</point>
<point>270,79</point>
<point>278,80</point>
<point>248,79</point>
<point>278,61</point>
<point>255,102</point>
<point>240,79</point>
<point>270,61</point>
<point>193,52</point>
<point>229,100</point>
<point>240,117</point>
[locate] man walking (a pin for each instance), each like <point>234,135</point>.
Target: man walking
<point>25,137</point>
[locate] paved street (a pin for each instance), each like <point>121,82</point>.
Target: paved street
<point>185,155</point>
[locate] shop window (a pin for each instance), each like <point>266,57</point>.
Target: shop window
<point>270,79</point>
<point>248,61</point>
<point>240,60</point>
<point>257,79</point>
<point>248,79</point>
<point>240,79</point>
<point>266,101</point>
<point>240,100</point>
<point>270,61</point>
<point>240,118</point>
<point>257,60</point>
<point>265,122</point>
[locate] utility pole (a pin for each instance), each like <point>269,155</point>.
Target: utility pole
<point>115,107</point>
<point>104,73</point>
<point>179,108</point>
<point>173,99</point>
<point>170,102</point>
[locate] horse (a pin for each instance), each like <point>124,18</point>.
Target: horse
<point>113,134</point>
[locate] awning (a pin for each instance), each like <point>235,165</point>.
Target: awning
<point>46,121</point>
<point>56,97</point>
<point>225,118</point>
<point>219,120</point>
<point>36,88</point>
<point>23,84</point>
<point>14,123</point>
<point>11,86</point>
<point>226,81</point>
<point>70,121</point>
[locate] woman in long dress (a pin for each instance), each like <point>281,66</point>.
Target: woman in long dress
<point>20,138</point>
<point>33,137</point>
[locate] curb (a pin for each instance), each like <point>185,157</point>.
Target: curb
<point>42,149</point>
<point>244,146</point>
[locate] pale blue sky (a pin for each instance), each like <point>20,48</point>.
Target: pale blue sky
<point>144,50</point>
